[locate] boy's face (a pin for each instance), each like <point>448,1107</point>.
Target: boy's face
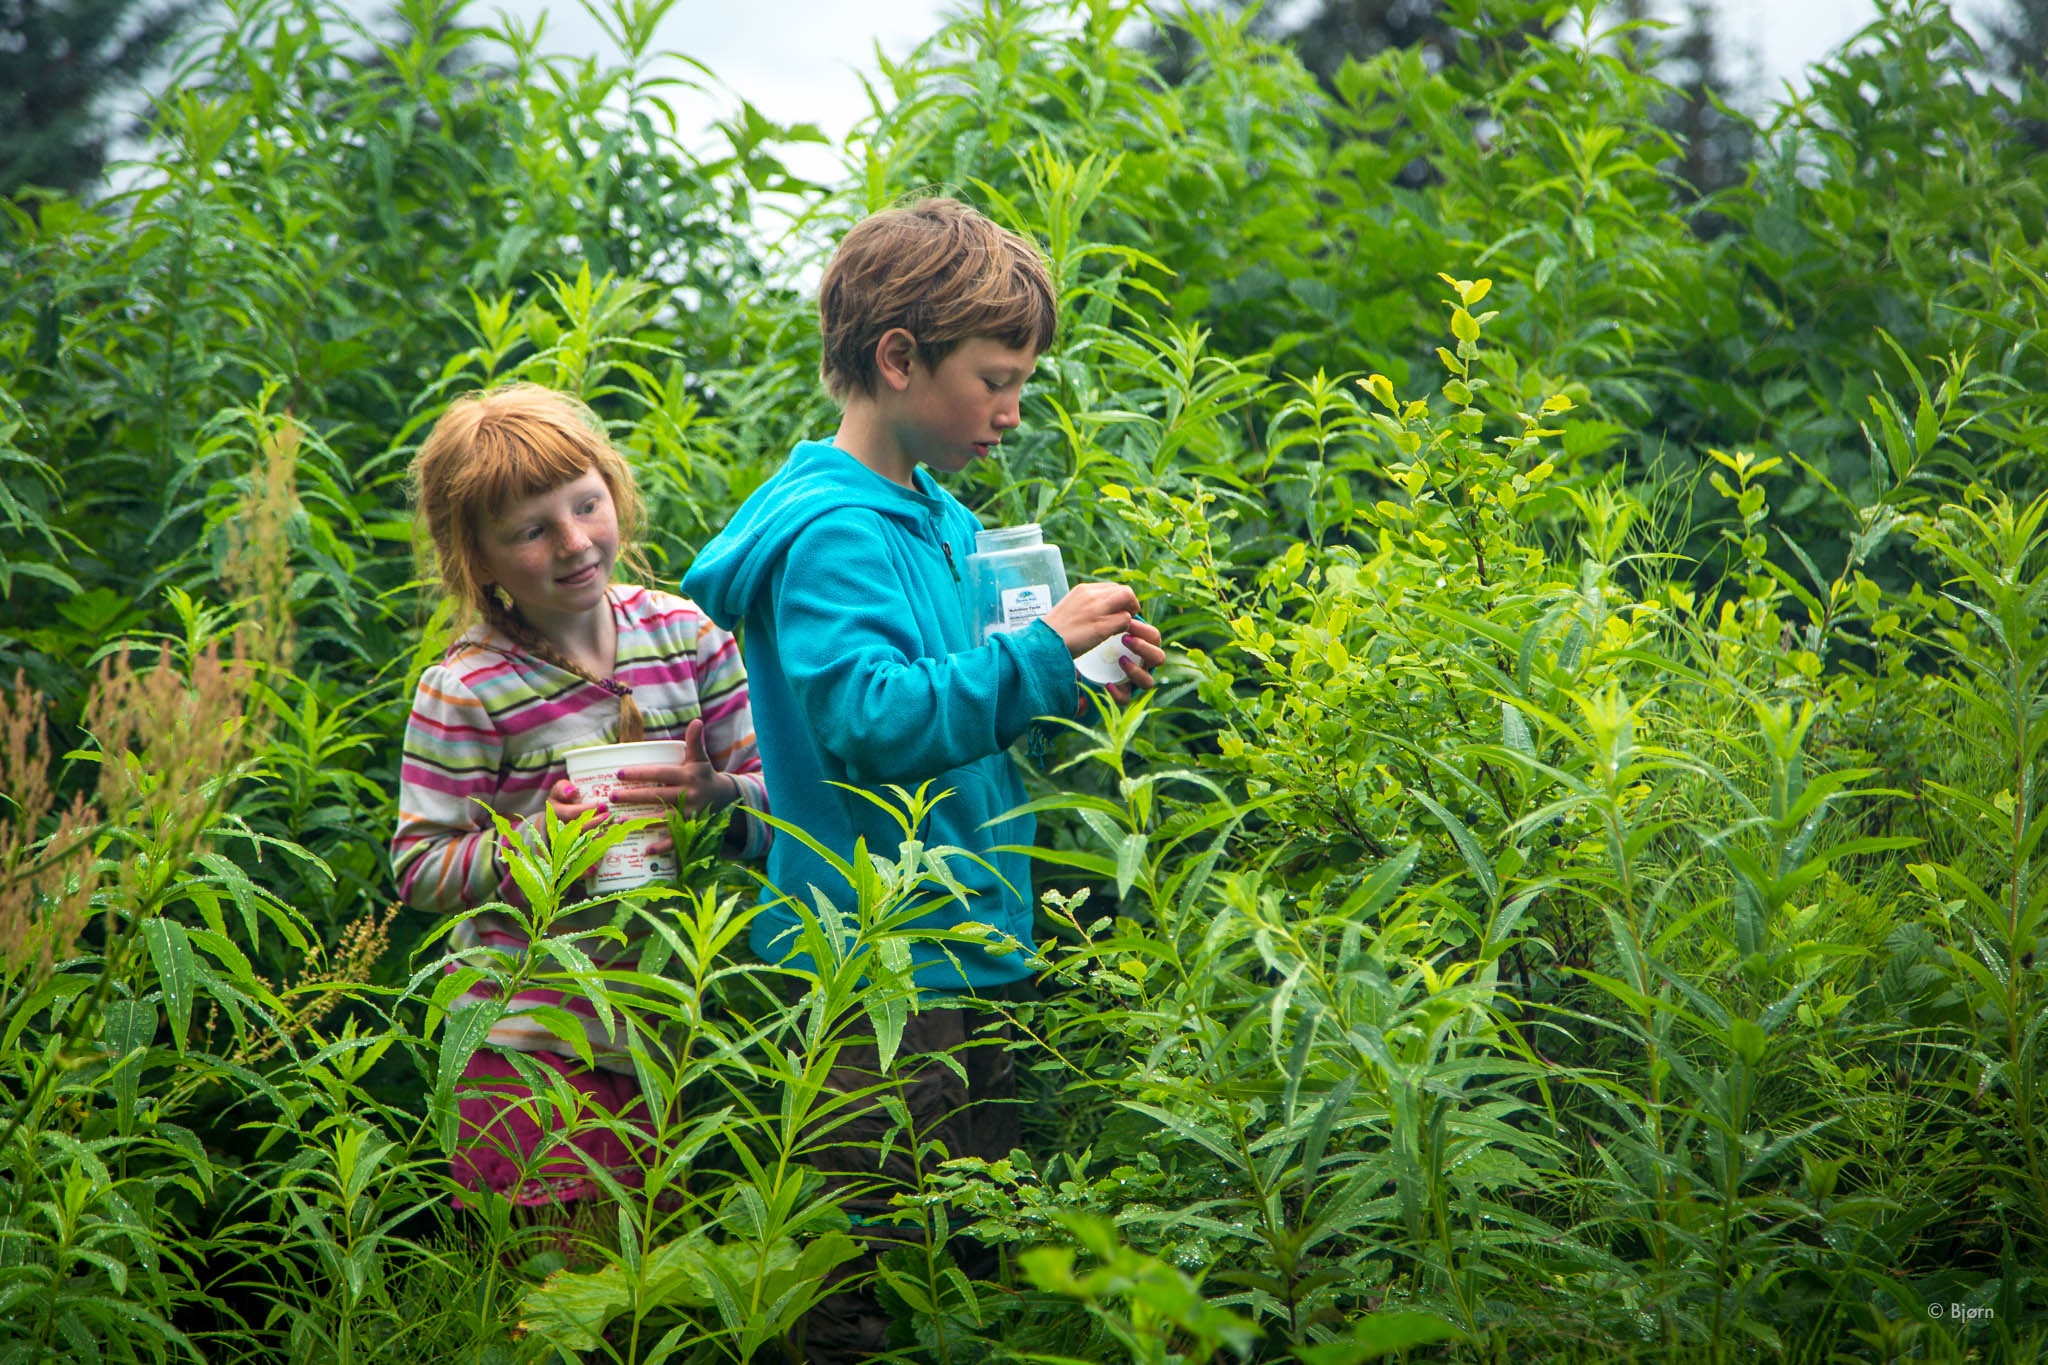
<point>948,417</point>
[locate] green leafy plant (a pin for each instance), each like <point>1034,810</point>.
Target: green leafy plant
<point>1575,894</point>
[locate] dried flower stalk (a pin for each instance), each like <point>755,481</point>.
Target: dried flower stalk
<point>257,567</point>
<point>170,742</point>
<point>46,883</point>
<point>326,981</point>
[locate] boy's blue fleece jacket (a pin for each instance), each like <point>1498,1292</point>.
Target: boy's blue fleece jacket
<point>862,669</point>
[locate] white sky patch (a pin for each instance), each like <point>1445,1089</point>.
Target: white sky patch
<point>796,61</point>
<point>800,61</point>
<point>803,61</point>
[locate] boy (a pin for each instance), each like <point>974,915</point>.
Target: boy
<point>861,655</point>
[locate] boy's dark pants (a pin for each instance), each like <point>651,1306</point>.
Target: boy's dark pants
<point>976,1116</point>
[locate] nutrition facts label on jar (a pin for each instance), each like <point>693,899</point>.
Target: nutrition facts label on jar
<point>1022,606</point>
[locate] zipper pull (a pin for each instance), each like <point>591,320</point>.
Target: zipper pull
<point>947,546</point>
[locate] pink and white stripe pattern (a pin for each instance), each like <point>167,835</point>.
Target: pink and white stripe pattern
<point>491,722</point>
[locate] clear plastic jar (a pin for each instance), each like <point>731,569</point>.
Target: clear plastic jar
<point>1013,578</point>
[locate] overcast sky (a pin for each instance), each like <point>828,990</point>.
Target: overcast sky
<point>800,60</point>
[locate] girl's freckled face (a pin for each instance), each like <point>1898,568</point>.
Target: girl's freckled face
<point>553,552</point>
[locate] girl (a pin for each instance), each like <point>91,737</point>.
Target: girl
<point>529,507</point>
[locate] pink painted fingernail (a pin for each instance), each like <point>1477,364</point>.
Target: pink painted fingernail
<point>1130,639</point>
<point>604,808</point>
<point>574,792</point>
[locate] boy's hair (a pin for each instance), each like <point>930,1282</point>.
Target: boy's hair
<point>938,269</point>
<point>492,448</point>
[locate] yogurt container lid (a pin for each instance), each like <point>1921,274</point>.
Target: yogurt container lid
<point>609,758</point>
<point>1101,665</point>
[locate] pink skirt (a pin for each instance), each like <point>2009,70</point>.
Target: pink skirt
<point>520,1145</point>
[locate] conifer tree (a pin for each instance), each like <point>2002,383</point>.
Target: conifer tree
<point>1717,146</point>
<point>59,60</point>
<point>2019,39</point>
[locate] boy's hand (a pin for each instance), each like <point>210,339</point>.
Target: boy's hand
<point>1092,613</point>
<point>1143,640</point>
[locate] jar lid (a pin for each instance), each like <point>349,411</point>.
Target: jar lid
<point>1007,538</point>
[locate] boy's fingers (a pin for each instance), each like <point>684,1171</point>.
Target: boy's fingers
<point>1120,597</point>
<point>1149,652</point>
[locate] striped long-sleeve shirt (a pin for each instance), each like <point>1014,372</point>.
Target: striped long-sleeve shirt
<point>491,722</point>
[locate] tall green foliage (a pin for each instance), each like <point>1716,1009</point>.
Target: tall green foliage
<point>1575,894</point>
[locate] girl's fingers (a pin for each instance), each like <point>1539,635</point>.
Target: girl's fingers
<point>651,784</point>
<point>690,784</point>
<point>653,775</point>
<point>648,796</point>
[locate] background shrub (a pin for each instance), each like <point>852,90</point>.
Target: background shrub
<point>1577,892</point>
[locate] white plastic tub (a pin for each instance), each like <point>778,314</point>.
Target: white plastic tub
<point>595,771</point>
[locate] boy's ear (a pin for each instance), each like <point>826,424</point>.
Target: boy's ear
<point>895,351</point>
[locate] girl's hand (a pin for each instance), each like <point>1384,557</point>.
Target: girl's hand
<point>693,784</point>
<point>566,802</point>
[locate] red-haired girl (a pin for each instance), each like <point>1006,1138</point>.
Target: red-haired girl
<point>529,508</point>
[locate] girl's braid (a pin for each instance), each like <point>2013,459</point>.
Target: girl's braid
<point>632,725</point>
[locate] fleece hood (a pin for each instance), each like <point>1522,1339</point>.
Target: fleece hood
<point>818,479</point>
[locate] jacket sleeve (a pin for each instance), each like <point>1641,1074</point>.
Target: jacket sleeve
<point>445,850</point>
<point>729,730</point>
<point>852,650</point>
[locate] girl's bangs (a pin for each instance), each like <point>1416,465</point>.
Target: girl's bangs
<point>516,460</point>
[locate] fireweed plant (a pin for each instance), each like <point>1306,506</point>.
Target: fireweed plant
<point>1575,896</point>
